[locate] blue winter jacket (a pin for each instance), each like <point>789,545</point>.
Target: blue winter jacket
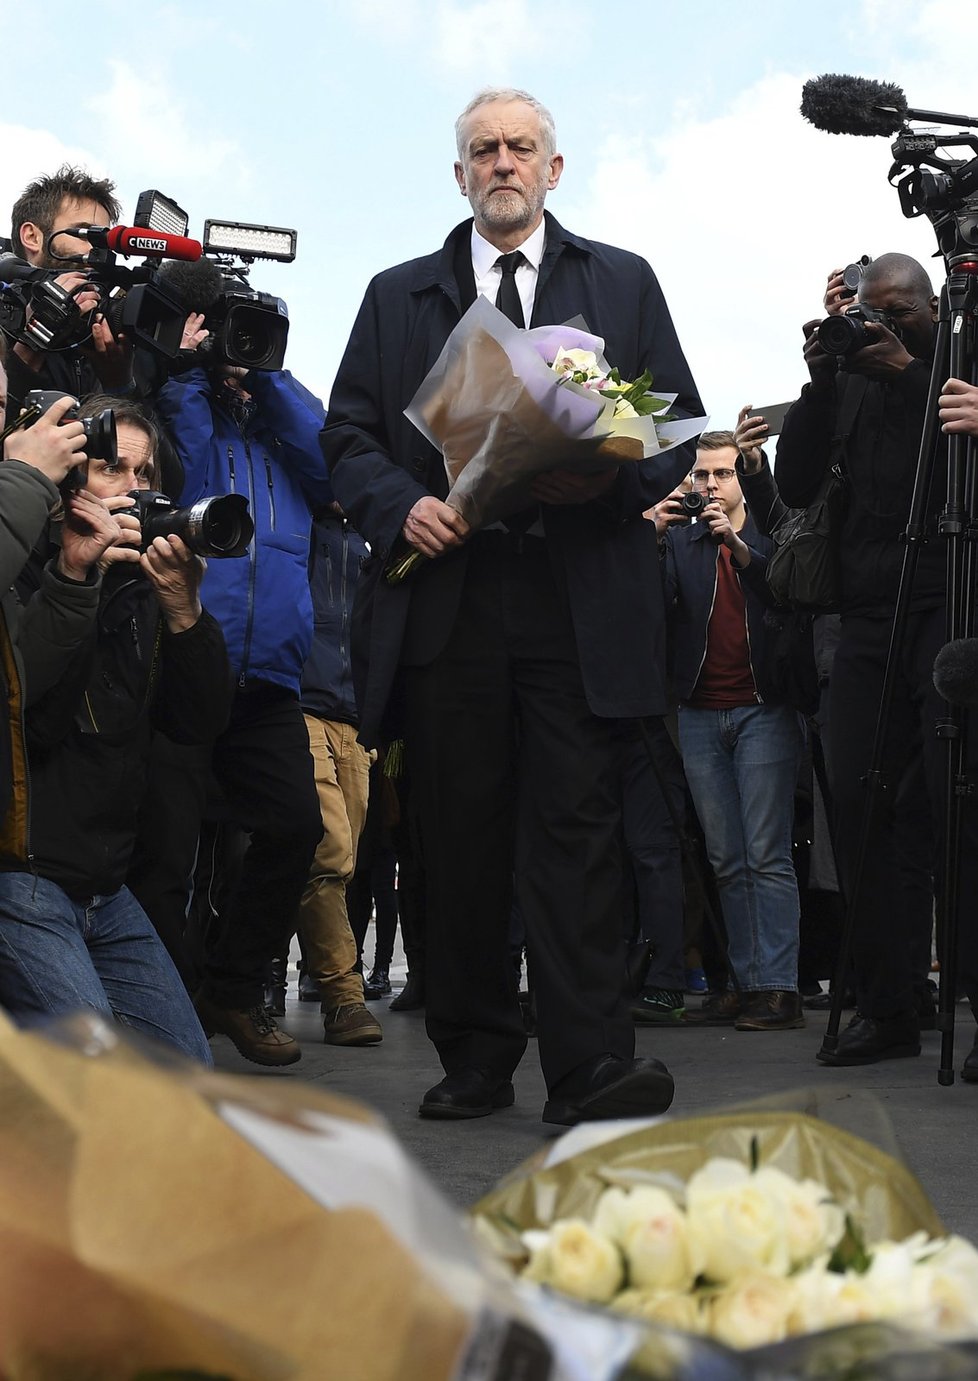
<point>336,555</point>
<point>261,600</point>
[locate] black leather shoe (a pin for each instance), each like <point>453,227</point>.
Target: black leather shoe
<point>466,1093</point>
<point>378,984</point>
<point>969,1070</point>
<point>609,1086</point>
<point>411,996</point>
<point>866,1040</point>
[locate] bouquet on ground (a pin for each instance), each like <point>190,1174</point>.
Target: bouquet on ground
<point>504,405</point>
<point>799,1246</point>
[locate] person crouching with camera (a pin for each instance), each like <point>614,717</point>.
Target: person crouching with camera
<point>72,936</point>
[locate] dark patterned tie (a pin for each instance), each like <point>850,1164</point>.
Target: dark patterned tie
<point>508,296</point>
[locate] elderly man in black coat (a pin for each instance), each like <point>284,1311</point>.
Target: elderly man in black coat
<point>515,649</point>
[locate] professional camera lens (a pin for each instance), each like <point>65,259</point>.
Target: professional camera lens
<point>100,439</point>
<point>219,526</point>
<point>842,335</point>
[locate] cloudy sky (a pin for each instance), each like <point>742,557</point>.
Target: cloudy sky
<point>678,122</point>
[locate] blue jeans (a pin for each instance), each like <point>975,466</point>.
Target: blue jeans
<point>741,766</point>
<point>59,955</point>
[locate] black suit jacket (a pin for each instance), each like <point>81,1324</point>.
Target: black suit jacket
<point>380,465</point>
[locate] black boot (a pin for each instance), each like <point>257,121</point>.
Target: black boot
<point>411,996</point>
<point>276,983</point>
<point>378,984</point>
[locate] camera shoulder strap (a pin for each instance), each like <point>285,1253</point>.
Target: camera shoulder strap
<point>851,389</point>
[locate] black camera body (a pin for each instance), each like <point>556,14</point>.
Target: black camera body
<point>249,329</point>
<point>219,526</point>
<point>100,438</point>
<point>845,334</point>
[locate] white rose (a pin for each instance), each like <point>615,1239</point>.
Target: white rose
<point>733,1223</point>
<point>948,1280</point>
<point>623,408</point>
<point>752,1311</point>
<point>650,1228</point>
<point>813,1223</point>
<point>672,1309</point>
<point>576,1260</point>
<point>828,1299</point>
<point>897,1290</point>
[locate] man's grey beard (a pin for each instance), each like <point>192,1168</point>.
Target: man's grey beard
<point>510,213</point>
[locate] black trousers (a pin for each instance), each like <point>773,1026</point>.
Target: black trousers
<point>264,770</point>
<point>887,944</point>
<point>516,777</point>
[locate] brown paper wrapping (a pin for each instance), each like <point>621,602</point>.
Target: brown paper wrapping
<point>138,1231</point>
<point>496,439</point>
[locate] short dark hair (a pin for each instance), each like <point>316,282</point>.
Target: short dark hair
<point>41,200</point>
<point>716,441</point>
<point>899,268</point>
<point>126,410</point>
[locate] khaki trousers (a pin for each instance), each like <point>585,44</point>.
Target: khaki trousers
<point>342,772</point>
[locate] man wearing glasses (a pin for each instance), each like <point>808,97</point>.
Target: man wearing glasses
<point>740,747</point>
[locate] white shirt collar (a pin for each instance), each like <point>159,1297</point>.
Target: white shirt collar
<point>484,255</point>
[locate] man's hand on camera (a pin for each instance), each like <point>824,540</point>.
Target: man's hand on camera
<point>126,548</point>
<point>958,405</point>
<point>89,529</point>
<point>837,296</point>
<point>821,367</point>
<point>667,513</point>
<point>750,435</point>
<point>111,355</point>
<point>175,574</point>
<point>194,331</point>
<point>51,448</point>
<point>886,358</point>
<point>88,298</point>
<point>432,527</point>
<point>718,521</point>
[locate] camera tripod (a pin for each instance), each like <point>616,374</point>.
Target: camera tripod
<point>954,356</point>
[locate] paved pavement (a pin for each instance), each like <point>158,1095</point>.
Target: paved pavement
<point>936,1127</point>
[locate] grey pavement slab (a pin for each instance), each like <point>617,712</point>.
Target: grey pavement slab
<point>936,1126</point>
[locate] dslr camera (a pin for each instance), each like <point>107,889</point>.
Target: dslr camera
<point>845,334</point>
<point>218,526</point>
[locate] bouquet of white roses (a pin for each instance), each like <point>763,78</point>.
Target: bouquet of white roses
<point>504,405</point>
<point>798,1245</point>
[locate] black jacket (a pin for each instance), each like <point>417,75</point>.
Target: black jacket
<point>380,465</point>
<point>336,554</point>
<point>88,736</point>
<point>692,557</point>
<point>880,465</point>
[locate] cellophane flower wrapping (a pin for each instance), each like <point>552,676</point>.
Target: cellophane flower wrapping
<point>586,1179</point>
<point>500,415</point>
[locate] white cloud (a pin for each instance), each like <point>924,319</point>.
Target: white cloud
<point>27,154</point>
<point>145,126</point>
<point>742,216</point>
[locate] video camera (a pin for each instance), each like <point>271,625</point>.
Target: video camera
<point>246,328</point>
<point>42,314</point>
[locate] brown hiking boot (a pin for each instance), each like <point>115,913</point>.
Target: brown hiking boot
<point>351,1024</point>
<point>774,1010</point>
<point>254,1032</point>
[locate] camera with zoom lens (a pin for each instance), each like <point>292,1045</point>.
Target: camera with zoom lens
<point>693,504</point>
<point>218,526</point>
<point>845,334</point>
<point>100,440</point>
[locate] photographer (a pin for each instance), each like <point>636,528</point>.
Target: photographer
<point>48,205</point>
<point>254,433</point>
<point>740,746</point>
<point>875,395</point>
<point>71,934</point>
